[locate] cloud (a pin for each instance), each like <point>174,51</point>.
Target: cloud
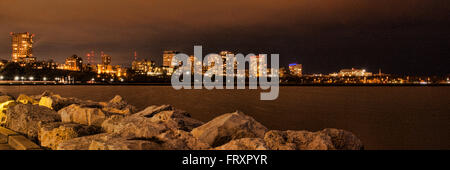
<point>300,30</point>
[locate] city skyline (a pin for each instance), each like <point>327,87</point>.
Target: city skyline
<point>394,36</point>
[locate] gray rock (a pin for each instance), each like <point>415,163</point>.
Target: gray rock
<point>56,102</point>
<point>83,143</point>
<point>117,106</point>
<point>127,144</point>
<point>327,139</point>
<point>227,127</point>
<point>24,99</point>
<point>244,144</point>
<point>83,115</point>
<point>140,125</point>
<point>110,141</point>
<point>176,119</point>
<point>50,135</point>
<point>117,102</point>
<point>152,110</point>
<point>279,140</point>
<point>5,98</point>
<point>343,140</point>
<point>27,119</point>
<point>133,126</point>
<point>181,140</point>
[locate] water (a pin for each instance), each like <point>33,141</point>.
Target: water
<point>382,117</point>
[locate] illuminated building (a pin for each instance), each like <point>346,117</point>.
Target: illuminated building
<point>295,69</point>
<point>49,64</point>
<point>22,45</point>
<point>143,66</point>
<point>106,59</point>
<point>167,58</point>
<point>282,71</point>
<point>353,73</point>
<point>73,63</point>
<point>116,70</point>
<point>107,68</point>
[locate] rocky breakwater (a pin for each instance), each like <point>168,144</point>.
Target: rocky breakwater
<point>60,123</point>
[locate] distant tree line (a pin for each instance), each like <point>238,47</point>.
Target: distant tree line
<point>11,70</point>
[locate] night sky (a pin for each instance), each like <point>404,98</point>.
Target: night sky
<point>398,36</point>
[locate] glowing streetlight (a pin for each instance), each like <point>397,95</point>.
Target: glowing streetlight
<point>16,78</point>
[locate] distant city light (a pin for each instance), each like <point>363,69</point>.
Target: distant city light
<point>16,78</point>
<point>45,78</point>
<point>31,78</point>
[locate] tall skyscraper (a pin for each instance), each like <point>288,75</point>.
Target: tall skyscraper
<point>22,44</point>
<point>74,63</point>
<point>142,66</point>
<point>167,58</point>
<point>295,69</point>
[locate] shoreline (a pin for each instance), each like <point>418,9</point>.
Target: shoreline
<point>67,123</point>
<point>281,85</point>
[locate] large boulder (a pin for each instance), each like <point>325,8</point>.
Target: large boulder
<point>177,119</point>
<point>83,143</point>
<point>24,99</point>
<point>227,127</point>
<point>244,144</point>
<point>83,115</point>
<point>139,124</point>
<point>56,102</point>
<point>3,107</point>
<point>279,140</point>
<point>170,140</point>
<point>50,135</point>
<point>133,126</point>
<point>110,141</point>
<point>127,144</point>
<point>343,140</point>
<point>27,119</point>
<point>327,139</point>
<point>152,110</point>
<point>181,140</point>
<point>5,98</point>
<point>118,106</point>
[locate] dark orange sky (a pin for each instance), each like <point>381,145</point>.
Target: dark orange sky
<point>399,36</point>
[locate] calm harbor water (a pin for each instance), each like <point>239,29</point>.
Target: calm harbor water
<point>383,117</point>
